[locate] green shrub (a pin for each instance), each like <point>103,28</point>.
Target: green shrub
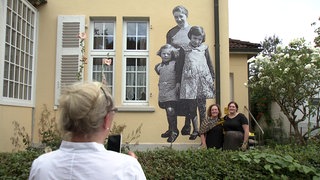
<point>216,164</point>
<point>16,165</point>
<point>280,162</point>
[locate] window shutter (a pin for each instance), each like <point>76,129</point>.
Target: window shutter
<point>68,51</point>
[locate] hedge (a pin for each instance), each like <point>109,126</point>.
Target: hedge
<point>279,162</point>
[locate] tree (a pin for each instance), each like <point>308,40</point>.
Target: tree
<point>292,77</point>
<point>260,101</point>
<point>317,31</point>
<point>269,44</point>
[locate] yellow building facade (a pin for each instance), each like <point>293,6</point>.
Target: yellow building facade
<point>42,44</point>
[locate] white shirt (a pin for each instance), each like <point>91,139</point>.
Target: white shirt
<point>85,161</point>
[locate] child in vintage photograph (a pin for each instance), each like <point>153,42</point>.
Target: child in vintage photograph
<point>168,90</point>
<point>195,75</point>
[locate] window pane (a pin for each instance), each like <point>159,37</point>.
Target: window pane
<point>130,79</point>
<point>5,88</point>
<point>18,40</point>
<point>13,37</point>
<point>10,3</point>
<point>131,64</point>
<point>23,44</point>
<point>131,43</point>
<point>23,31</point>
<point>130,93</point>
<point>98,28</point>
<point>141,79</point>
<point>142,93</point>
<point>29,92</point>
<point>16,73</point>
<point>109,29</point>
<point>11,72</point>
<point>20,91</point>
<point>6,70</point>
<point>103,35</point>
<point>12,54</point>
<point>21,75</point>
<point>14,21</point>
<point>131,29</point>
<point>142,43</point>
<point>141,63</point>
<point>9,15</point>
<point>25,95</point>
<point>8,34</point>
<point>16,91</point>
<point>142,29</point>
<point>30,77</point>
<point>20,8</point>
<point>6,54</point>
<point>108,43</point>
<point>11,89</point>
<point>98,43</point>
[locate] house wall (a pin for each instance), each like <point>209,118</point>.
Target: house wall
<point>8,115</point>
<point>161,20</point>
<point>239,68</point>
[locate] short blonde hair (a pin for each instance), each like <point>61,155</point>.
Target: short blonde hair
<point>83,107</point>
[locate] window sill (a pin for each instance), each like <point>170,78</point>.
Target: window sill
<point>136,108</point>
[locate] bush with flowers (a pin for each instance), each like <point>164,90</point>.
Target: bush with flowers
<point>291,75</point>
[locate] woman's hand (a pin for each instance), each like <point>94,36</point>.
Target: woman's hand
<point>203,146</point>
<point>244,146</point>
<point>130,153</point>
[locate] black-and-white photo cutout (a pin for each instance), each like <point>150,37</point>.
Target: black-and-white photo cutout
<point>191,65</point>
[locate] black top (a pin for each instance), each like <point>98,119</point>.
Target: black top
<point>235,124</point>
<point>214,137</point>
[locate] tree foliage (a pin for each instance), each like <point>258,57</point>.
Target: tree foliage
<point>260,100</point>
<point>317,31</point>
<point>291,75</point>
<point>269,44</point>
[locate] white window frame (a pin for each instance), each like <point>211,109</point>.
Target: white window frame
<point>22,11</point>
<point>135,54</point>
<point>102,53</point>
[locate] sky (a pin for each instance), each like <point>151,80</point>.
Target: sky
<point>253,20</point>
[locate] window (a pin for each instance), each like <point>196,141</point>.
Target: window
<point>136,61</point>
<point>103,43</point>
<point>18,22</point>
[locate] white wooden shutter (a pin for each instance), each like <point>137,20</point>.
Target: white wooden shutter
<point>68,51</point>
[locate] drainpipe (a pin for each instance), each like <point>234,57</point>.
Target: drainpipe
<point>32,125</point>
<point>217,50</point>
